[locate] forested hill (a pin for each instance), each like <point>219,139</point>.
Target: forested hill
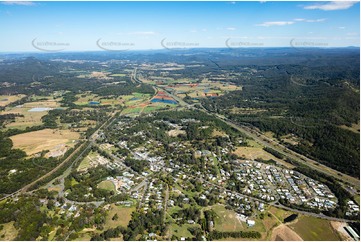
<point>311,102</point>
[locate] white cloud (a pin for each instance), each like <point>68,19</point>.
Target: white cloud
<point>275,23</point>
<point>309,20</point>
<point>231,28</point>
<point>352,34</point>
<point>330,6</point>
<point>18,3</point>
<point>342,27</point>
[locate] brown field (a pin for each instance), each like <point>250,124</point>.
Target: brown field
<point>124,214</point>
<point>339,227</point>
<point>252,153</point>
<point>311,228</point>
<point>6,100</point>
<point>176,132</point>
<point>280,214</point>
<point>97,75</point>
<point>47,139</point>
<point>217,133</point>
<point>354,128</point>
<point>284,233</point>
<point>9,232</point>
<point>30,118</point>
<point>227,219</point>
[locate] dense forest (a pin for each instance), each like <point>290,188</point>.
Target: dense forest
<point>308,102</point>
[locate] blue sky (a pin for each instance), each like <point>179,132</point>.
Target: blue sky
<point>82,26</point>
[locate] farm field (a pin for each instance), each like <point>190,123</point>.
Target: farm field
<point>198,90</point>
<point>46,139</point>
<point>124,215</point>
<point>252,153</point>
<point>279,213</point>
<point>6,100</point>
<point>93,99</point>
<point>181,231</point>
<point>30,118</point>
<point>284,233</point>
<point>118,74</point>
<point>9,232</point>
<point>311,228</point>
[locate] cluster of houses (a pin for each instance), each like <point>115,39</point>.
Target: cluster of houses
<point>153,196</point>
<point>352,209</point>
<point>266,182</point>
<point>270,183</point>
<point>67,209</point>
<point>124,182</point>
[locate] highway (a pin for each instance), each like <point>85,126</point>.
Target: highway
<point>91,139</point>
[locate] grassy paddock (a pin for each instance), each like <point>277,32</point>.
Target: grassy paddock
<point>226,220</point>
<point>107,185</point>
<point>311,228</point>
<point>124,214</point>
<point>46,139</point>
<point>9,232</point>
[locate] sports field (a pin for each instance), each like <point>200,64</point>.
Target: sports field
<point>226,220</point>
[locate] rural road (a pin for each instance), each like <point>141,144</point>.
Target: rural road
<point>270,143</point>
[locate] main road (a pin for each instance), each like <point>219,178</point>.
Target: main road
<point>273,144</point>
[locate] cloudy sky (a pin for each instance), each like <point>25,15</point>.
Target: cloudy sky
<point>80,26</point>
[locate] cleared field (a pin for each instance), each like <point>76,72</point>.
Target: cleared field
<point>199,90</point>
<point>217,133</point>
<point>156,106</point>
<point>269,223</point>
<point>5,100</point>
<point>134,110</point>
<point>354,128</point>
<point>311,228</point>
<point>279,213</point>
<point>29,119</point>
<point>84,237</point>
<point>107,185</point>
<point>85,99</point>
<point>181,231</point>
<point>253,153</point>
<point>46,139</point>
<point>176,132</point>
<point>93,159</point>
<point>119,74</point>
<point>9,232</point>
<point>284,233</point>
<point>124,214</point>
<point>227,219</point>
